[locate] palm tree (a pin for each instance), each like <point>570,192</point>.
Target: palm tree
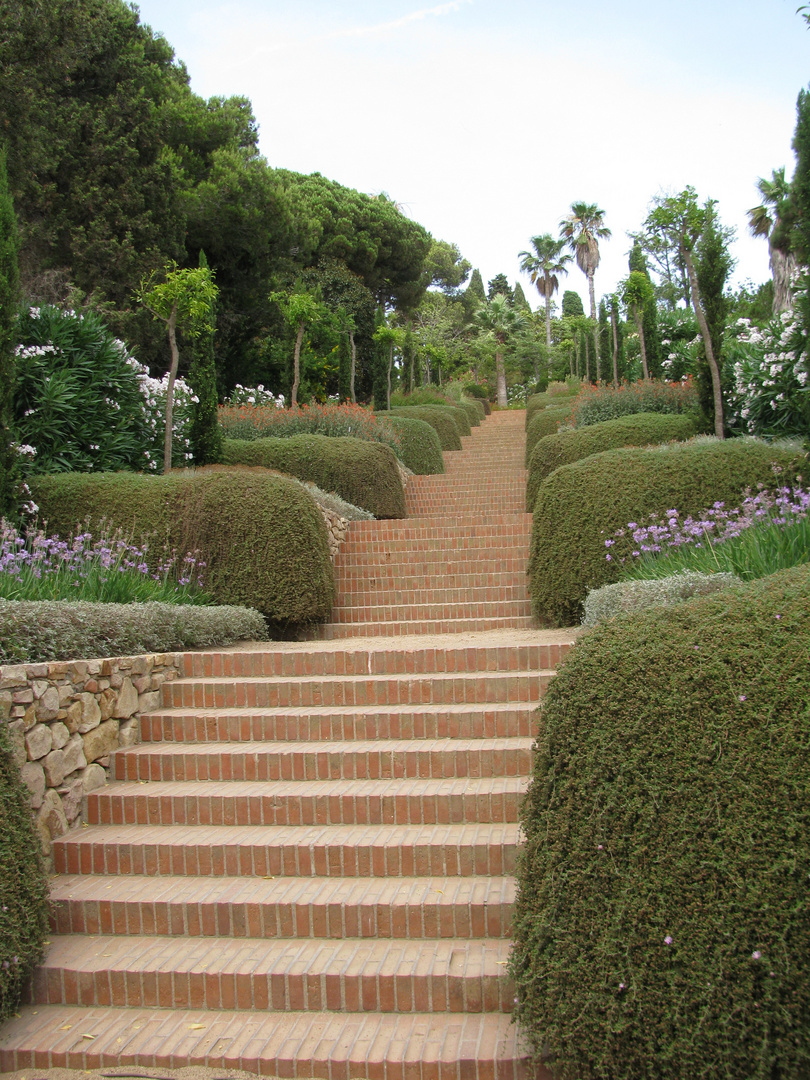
<point>498,318</point>
<point>581,231</point>
<point>543,268</point>
<point>766,220</point>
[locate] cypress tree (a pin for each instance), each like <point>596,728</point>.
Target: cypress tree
<point>714,265</point>
<point>205,434</point>
<point>572,303</point>
<point>500,284</point>
<point>474,295</point>
<point>605,344</point>
<point>799,199</point>
<point>9,296</point>
<point>652,335</point>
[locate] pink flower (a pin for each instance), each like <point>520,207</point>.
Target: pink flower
<point>668,940</point>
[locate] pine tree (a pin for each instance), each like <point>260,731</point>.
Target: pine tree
<point>500,284</point>
<point>9,295</point>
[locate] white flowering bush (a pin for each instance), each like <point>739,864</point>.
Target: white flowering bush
<point>771,396</point>
<point>83,403</point>
<point>255,395</point>
<point>681,343</point>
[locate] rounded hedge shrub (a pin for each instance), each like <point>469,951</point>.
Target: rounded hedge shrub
<point>23,882</point>
<point>662,923</point>
<point>475,412</point>
<point>439,418</point>
<point>545,422</point>
<point>579,506</point>
<point>420,448</point>
<point>546,400</point>
<point>641,429</point>
<point>363,473</point>
<point>261,536</point>
<point>459,415</point>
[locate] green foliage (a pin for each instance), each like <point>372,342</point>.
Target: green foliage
<point>639,595</point>
<point>554,396</point>
<point>799,199</point>
<point>9,295</point>
<point>564,447</point>
<point>421,450</point>
<point>363,473</point>
<point>23,882</point>
<point>579,506</point>
<point>205,433</point>
<point>500,286</point>
<point>545,422</point>
<point>597,403</point>
<point>261,536</point>
<point>572,304</point>
<point>474,295</point>
<point>440,419</point>
<point>714,265</point>
<point>476,391</point>
<point>35,631</point>
<point>661,926</point>
<point>267,421</point>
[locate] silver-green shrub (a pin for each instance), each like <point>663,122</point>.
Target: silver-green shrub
<point>630,596</point>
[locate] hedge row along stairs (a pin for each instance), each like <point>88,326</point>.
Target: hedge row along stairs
<point>304,868</point>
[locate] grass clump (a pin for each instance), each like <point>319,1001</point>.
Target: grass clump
<point>421,449</point>
<point>561,448</point>
<point>439,418</point>
<point>261,536</point>
<point>605,402</point>
<point>36,631</point>
<point>662,923</point>
<point>363,473</point>
<point>545,422</point>
<point>632,596</point>
<point>580,506</point>
<point>23,883</point>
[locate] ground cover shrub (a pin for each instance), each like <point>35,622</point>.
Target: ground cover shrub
<point>420,447</point>
<point>261,536</point>
<point>458,414</point>
<point>605,402</point>
<point>421,395</point>
<point>474,410</point>
<point>263,421</point>
<point>364,473</point>
<point>545,422</point>
<point>622,597</point>
<point>478,393</point>
<point>555,395</point>
<point>35,631</point>
<point>580,506</point>
<point>439,419</point>
<point>561,448</point>
<point>662,922</point>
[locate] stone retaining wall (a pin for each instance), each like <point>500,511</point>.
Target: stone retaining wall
<point>65,719</point>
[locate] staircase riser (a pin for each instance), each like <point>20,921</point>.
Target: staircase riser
<point>396,629</point>
<point>470,610</point>
<point>473,594</point>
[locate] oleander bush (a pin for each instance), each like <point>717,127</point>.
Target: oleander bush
<point>545,422</point>
<point>23,883</point>
<point>32,631</point>
<point>605,402</point>
<point>579,507</point>
<point>364,473</point>
<point>662,922</point>
<point>439,418</point>
<point>622,597</point>
<point>262,537</point>
<point>420,447</point>
<point>561,448</point>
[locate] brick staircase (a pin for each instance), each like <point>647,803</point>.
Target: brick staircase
<point>303,870</point>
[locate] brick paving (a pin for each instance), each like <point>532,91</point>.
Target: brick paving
<point>304,869</point>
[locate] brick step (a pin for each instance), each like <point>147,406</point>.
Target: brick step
<point>455,510</point>
<point>445,563</point>
<point>475,607</point>
<point>337,631</point>
<point>475,547</point>
<point>357,691</point>
<point>360,1046</point>
<point>450,582</point>
<point>408,530</point>
<point>339,851</point>
<point>378,760</point>
<point>307,802</point>
<point>399,594</point>
<point>393,975</point>
<point>236,907</point>
<point>496,720</point>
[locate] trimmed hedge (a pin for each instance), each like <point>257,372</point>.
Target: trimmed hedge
<point>580,505</point>
<point>459,415</point>
<point>39,630</point>
<point>261,536</point>
<point>538,402</point>
<point>23,883</point>
<point>545,423</point>
<point>475,412</point>
<point>364,473</point>
<point>662,923</point>
<point>641,429</point>
<point>439,418</point>
<point>419,444</point>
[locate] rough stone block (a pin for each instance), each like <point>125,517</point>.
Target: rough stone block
<point>60,735</point>
<point>38,742</point>
<point>71,795</point>
<point>30,717</point>
<point>74,754</point>
<point>91,686</point>
<point>22,697</point>
<point>127,702</point>
<point>101,740</point>
<point>16,730</point>
<point>5,704</point>
<point>48,704</point>
<point>93,777</point>
<point>39,686</point>
<point>12,677</point>
<point>128,733</point>
<point>91,713</point>
<point>107,702</point>
<point>53,765</point>
<point>149,702</point>
<point>51,821</point>
<point>33,776</point>
<point>73,717</point>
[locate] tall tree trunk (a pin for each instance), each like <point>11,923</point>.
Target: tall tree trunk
<point>548,311</point>
<point>615,347</point>
<point>390,366</point>
<point>587,360</point>
<point>500,380</point>
<point>638,315</point>
<point>171,329</point>
<point>782,268</point>
<point>717,391</point>
<point>592,297</point>
<point>353,347</point>
<point>299,337</point>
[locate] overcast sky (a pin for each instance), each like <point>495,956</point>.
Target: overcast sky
<point>486,119</point>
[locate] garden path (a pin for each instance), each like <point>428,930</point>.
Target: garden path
<point>304,869</point>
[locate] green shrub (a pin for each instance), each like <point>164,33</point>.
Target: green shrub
<point>261,536</point>
<point>364,473</point>
<point>622,597</point>
<point>458,414</point>
<point>439,419</point>
<point>35,631</point>
<point>420,446</point>
<point>266,421</point>
<point>662,926</point>
<point>23,883</point>
<point>605,402</point>
<point>579,506</point>
<point>475,390</point>
<point>422,395</point>
<point>475,412</point>
<point>642,429</point>
<point>545,422</point>
<point>556,395</point>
